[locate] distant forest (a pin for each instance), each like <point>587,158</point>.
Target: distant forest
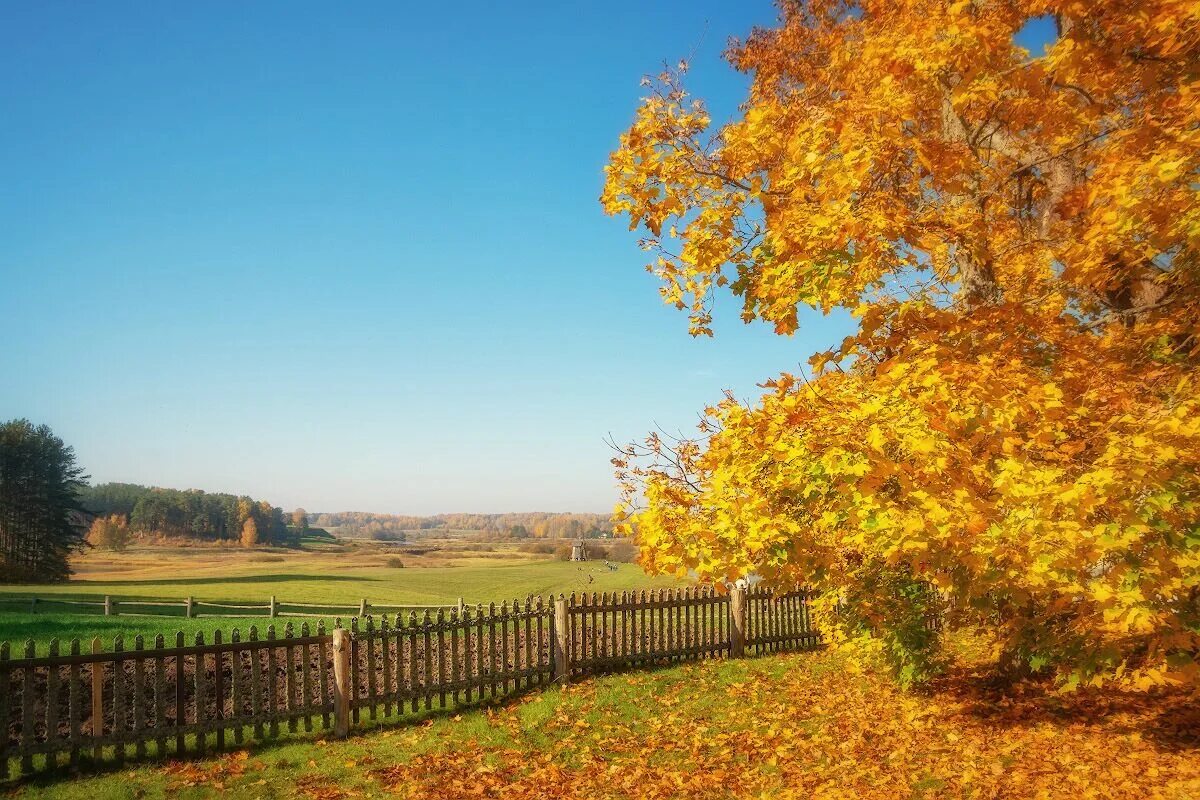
<point>190,513</point>
<point>533,524</point>
<point>213,516</point>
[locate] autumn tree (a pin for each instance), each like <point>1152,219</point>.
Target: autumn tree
<point>41,521</point>
<point>249,533</point>
<point>111,533</point>
<point>300,520</point>
<point>1012,435</point>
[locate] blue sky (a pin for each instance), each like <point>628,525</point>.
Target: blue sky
<point>349,259</point>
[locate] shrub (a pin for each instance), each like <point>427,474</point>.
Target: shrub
<point>395,563</point>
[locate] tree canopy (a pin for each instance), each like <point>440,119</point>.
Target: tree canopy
<point>41,521</point>
<point>191,513</point>
<point>1013,433</point>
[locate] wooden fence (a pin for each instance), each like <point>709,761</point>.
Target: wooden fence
<point>74,707</point>
<point>189,607</point>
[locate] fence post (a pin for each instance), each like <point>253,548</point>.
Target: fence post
<point>98,699</point>
<point>108,606</point>
<point>362,608</point>
<point>737,614</point>
<point>341,683</point>
<point>33,605</point>
<point>189,610</point>
<point>461,606</point>
<point>5,688</point>
<point>562,663</point>
<point>274,607</point>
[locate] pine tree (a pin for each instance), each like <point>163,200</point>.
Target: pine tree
<point>41,521</point>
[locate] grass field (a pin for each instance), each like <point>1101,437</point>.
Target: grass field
<point>338,575</point>
<point>795,726</point>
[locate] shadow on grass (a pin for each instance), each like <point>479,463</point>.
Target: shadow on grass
<point>267,578</point>
<point>1170,718</point>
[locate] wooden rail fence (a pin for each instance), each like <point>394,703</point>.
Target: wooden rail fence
<point>111,606</point>
<point>72,706</point>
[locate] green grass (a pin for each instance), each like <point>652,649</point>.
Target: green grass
<point>307,578</point>
<point>271,769</point>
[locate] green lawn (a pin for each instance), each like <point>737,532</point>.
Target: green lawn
<point>306,578</point>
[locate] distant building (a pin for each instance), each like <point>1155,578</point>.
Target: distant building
<point>578,551</point>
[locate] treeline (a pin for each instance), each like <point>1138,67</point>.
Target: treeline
<point>188,513</point>
<point>532,524</point>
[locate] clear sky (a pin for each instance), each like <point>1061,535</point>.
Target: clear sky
<point>349,258</point>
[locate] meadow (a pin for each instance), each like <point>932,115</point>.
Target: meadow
<point>435,572</point>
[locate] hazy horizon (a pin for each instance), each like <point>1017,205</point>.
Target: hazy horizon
<point>316,512</point>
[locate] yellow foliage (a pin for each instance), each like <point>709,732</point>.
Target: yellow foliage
<point>1017,420</point>
<point>249,532</point>
<point>111,532</point>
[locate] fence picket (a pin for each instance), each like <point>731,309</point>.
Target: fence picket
<point>468,655</point>
<point>385,661</point>
<point>75,700</point>
<point>624,633</point>
<point>602,629</point>
<point>323,677</point>
<point>235,687</point>
<point>411,638</point>
<point>480,677</point>
<point>398,664</point>
<point>679,611</point>
<point>441,658</point>
<point>219,691</point>
<point>52,690</point>
<point>492,646</point>
<point>505,671</point>
<point>528,668</point>
<point>454,660</point>
<point>541,645</point>
<point>256,698</point>
<point>198,701</point>
<point>180,712</point>
<point>160,700</point>
<point>426,676</point>
<point>306,676</point>
<point>369,643</point>
<point>355,649</point>
<point>571,649</point>
<point>119,721</point>
<point>27,732</point>
<point>139,696</point>
<point>5,690</point>
<point>273,705</point>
